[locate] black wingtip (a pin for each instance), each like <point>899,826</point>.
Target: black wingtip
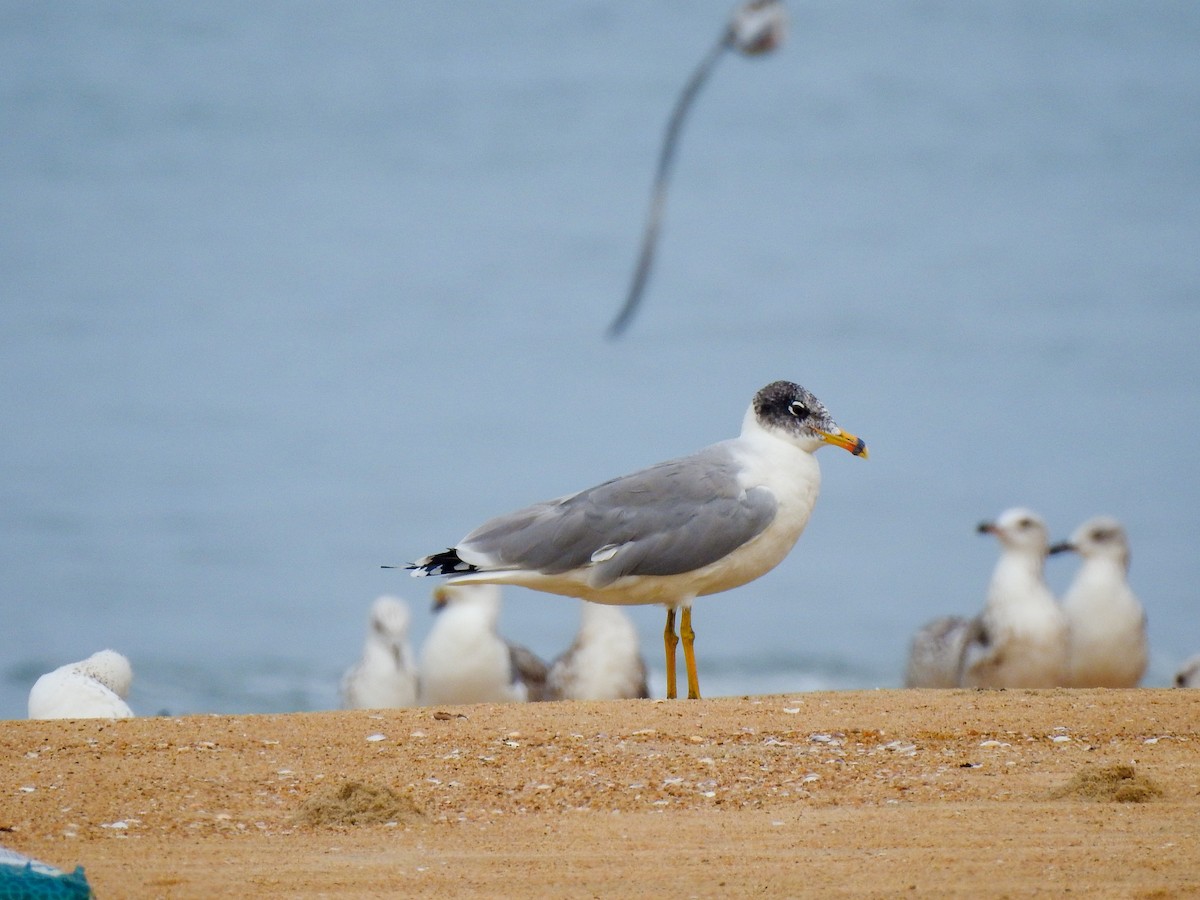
<point>448,562</point>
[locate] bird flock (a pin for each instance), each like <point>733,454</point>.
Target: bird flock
<point>462,660</point>
<point>1024,637</point>
<point>698,525</point>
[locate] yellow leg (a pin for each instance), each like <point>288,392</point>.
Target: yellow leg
<point>689,653</point>
<point>670,641</point>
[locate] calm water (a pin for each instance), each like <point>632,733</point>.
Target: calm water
<point>295,289</point>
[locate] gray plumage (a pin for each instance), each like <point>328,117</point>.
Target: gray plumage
<point>529,669</point>
<point>670,518</point>
<point>679,530</point>
<point>937,652</point>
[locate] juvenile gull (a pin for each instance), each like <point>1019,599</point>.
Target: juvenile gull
<point>385,677</point>
<point>1022,638</point>
<point>94,688</point>
<point>1106,621</point>
<point>937,652</point>
<point>464,660</point>
<point>754,28</point>
<point>604,662</point>
<point>1188,675</point>
<point>692,526</point>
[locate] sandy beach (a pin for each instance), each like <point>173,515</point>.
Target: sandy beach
<point>1008,793</point>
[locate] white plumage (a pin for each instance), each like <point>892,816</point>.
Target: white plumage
<point>1107,624</point>
<point>464,659</point>
<point>1022,630</point>
<point>94,688</point>
<point>670,533</point>
<point>385,677</point>
<point>603,663</point>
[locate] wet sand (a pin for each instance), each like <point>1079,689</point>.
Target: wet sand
<point>925,793</point>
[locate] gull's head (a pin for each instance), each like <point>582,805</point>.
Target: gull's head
<point>758,26</point>
<point>1019,529</point>
<point>109,668</point>
<point>389,619</point>
<point>478,596</point>
<point>787,410</point>
<point>1102,536</point>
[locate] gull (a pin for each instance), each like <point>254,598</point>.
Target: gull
<point>937,652</point>
<point>1022,636</point>
<point>1107,624</point>
<point>385,677</point>
<point>754,28</point>
<point>1188,675</point>
<point>464,660</point>
<point>94,688</point>
<point>678,530</point>
<point>603,663</point>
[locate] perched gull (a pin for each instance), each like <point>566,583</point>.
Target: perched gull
<point>1022,631</point>
<point>755,27</point>
<point>604,662</point>
<point>385,677</point>
<point>1188,675</point>
<point>464,660</point>
<point>697,525</point>
<point>937,652</point>
<point>94,688</point>
<point>1107,624</point>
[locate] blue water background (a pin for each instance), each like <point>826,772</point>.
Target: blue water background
<point>293,289</point>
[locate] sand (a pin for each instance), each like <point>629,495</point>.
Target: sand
<point>880,793</point>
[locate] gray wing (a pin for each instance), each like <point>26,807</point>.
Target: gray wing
<point>937,655</point>
<point>530,669</point>
<point>674,517</point>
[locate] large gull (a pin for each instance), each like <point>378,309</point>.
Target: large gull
<point>678,530</point>
<point>755,27</point>
<point>1106,621</point>
<point>1022,630</point>
<point>464,659</point>
<point>603,663</point>
<point>93,688</point>
<point>385,677</point>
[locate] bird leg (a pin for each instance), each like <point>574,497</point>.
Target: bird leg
<point>689,653</point>
<point>670,641</point>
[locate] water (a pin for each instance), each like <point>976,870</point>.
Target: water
<point>295,289</point>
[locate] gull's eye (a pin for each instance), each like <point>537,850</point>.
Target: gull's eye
<point>798,409</point>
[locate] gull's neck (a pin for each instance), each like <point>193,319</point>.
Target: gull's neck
<point>1017,576</point>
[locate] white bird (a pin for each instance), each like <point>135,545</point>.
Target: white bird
<point>755,27</point>
<point>1188,675</point>
<point>603,663</point>
<point>94,688</point>
<point>1106,621</point>
<point>937,652</point>
<point>1022,630</point>
<point>464,660</point>
<point>385,677</point>
<point>678,530</point>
